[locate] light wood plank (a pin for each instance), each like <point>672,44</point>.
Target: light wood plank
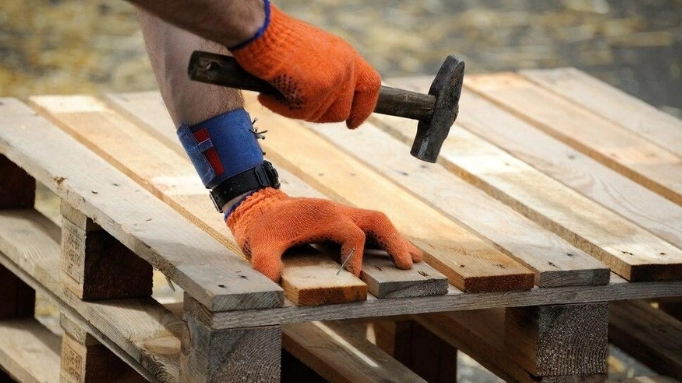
<point>648,334</point>
<point>627,249</point>
<point>615,105</point>
<point>554,261</point>
<point>382,281</point>
<point>140,331</point>
<point>622,150</point>
<point>646,379</point>
<point>169,176</point>
<point>469,262</point>
<point>190,257</point>
<point>340,354</point>
<point>572,168</point>
<point>29,351</point>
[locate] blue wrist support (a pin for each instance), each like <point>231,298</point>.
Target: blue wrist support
<point>221,147</point>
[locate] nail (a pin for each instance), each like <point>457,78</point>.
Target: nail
<point>346,261</point>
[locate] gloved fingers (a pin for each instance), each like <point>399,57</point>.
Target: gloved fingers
<point>366,93</point>
<point>267,259</point>
<point>377,225</point>
<point>344,232</point>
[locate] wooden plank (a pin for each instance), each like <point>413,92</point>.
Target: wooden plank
<point>620,149</point>
<point>554,261</point>
<point>17,299</point>
<point>615,105</point>
<point>173,179</point>
<point>17,189</point>
<point>649,335</point>
<point>94,265</point>
<point>455,300</point>
<point>558,340</point>
<point>139,331</point>
<point>646,379</point>
<point>470,263</point>
<point>190,257</point>
<point>572,168</point>
<point>349,358</point>
<point>383,282</point>
<point>627,249</point>
<point>29,351</point>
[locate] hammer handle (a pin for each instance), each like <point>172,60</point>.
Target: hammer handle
<point>224,70</point>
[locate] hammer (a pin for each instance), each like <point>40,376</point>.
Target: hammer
<point>436,111</point>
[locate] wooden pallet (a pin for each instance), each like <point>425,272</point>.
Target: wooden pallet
<point>544,207</point>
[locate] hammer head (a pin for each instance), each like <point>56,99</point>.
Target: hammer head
<point>431,132</point>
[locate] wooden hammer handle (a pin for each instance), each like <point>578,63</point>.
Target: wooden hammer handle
<point>224,70</point>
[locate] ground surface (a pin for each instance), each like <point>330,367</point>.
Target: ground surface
<point>78,46</point>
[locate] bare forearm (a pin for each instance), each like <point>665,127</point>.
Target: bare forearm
<point>227,22</point>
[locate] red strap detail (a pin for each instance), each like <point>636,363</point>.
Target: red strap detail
<point>211,154</point>
<point>214,160</point>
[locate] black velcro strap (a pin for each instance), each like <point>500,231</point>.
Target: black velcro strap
<point>262,176</point>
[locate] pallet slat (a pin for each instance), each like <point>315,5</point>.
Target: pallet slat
<point>25,341</point>
<point>627,249</point>
<point>622,150</point>
<point>518,237</point>
<point>611,103</point>
<point>130,214</point>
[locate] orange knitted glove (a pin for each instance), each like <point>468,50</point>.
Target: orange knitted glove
<point>321,77</point>
<point>269,222</point>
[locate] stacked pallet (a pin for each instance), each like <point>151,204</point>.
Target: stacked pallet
<point>546,205</point>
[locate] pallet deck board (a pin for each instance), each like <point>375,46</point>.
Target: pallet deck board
<point>24,341</point>
<point>518,237</point>
<point>621,149</point>
<point>626,248</point>
<point>146,225</point>
<point>613,104</point>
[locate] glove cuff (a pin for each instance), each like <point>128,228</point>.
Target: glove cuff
<point>259,32</point>
<point>249,207</point>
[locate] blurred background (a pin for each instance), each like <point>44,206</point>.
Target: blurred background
<point>78,46</point>
<point>95,46</point>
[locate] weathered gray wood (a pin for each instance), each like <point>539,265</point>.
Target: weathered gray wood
<point>190,257</point>
<point>650,335</point>
<point>139,331</point>
<point>383,282</point>
<point>554,261</point>
<point>29,351</point>
<point>455,300</point>
<point>85,360</point>
<point>250,354</point>
<point>17,188</point>
<point>566,340</point>
<point>17,299</point>
<point>94,265</point>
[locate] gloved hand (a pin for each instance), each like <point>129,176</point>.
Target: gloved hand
<point>322,78</point>
<point>269,222</point>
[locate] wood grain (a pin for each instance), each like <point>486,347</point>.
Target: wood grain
<point>620,149</point>
<point>629,250</point>
<point>25,341</point>
<point>190,257</point>
<point>469,262</point>
<point>147,110</point>
<point>611,103</point>
<point>518,237</point>
<point>340,354</point>
<point>139,331</point>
